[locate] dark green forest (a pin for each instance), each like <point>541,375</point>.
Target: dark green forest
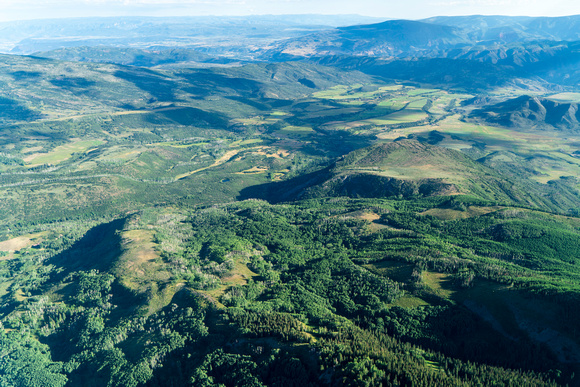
<point>325,296</point>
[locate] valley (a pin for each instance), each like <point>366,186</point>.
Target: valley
<point>293,215</point>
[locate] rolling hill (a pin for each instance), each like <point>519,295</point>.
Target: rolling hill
<point>35,88</point>
<point>132,56</point>
<point>404,168</point>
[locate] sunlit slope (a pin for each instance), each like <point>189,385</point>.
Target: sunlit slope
<point>419,170</point>
<point>78,138</point>
<point>405,168</point>
<point>36,88</point>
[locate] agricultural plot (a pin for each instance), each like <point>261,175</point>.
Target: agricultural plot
<point>550,155</point>
<point>61,153</point>
<point>386,107</point>
<point>356,91</point>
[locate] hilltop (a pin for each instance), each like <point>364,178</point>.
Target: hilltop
<point>404,169</point>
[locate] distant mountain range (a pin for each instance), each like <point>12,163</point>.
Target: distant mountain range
<point>431,37</point>
<point>390,38</point>
<point>472,52</point>
<point>511,29</point>
<point>26,37</point>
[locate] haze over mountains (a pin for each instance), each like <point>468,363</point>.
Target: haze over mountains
<point>465,51</point>
<point>509,29</point>
<point>26,37</point>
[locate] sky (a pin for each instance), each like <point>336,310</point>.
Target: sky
<point>388,9</point>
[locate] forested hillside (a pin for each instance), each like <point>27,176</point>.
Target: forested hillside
<point>306,210</point>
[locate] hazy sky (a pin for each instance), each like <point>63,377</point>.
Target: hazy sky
<point>409,9</point>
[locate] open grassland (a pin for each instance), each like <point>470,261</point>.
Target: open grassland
<point>141,270</point>
<point>394,104</point>
<point>342,92</point>
<point>426,171</point>
<point>20,242</point>
<point>10,247</point>
<point>179,144</point>
<point>404,116</point>
<point>250,141</point>
<point>61,153</point>
<point>409,301</point>
<point>451,214</point>
<point>254,170</point>
<point>495,136</point>
<point>385,107</point>
<point>239,276</point>
<point>549,153</point>
<point>225,157</point>
<point>438,284</point>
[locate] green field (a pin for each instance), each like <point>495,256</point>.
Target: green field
<point>61,153</point>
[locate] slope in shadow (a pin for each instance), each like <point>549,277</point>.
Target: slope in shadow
<point>14,110</point>
<point>161,88</point>
<point>98,249</point>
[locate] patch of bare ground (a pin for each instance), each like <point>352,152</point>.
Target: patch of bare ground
<point>451,214</point>
<point>18,243</point>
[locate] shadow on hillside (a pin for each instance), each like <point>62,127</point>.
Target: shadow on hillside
<point>26,75</point>
<point>287,190</point>
<point>74,84</point>
<point>13,110</point>
<point>196,117</point>
<point>204,83</point>
<point>98,249</point>
<point>155,84</point>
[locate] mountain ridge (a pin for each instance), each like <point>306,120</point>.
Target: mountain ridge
<point>532,112</point>
<point>389,38</point>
